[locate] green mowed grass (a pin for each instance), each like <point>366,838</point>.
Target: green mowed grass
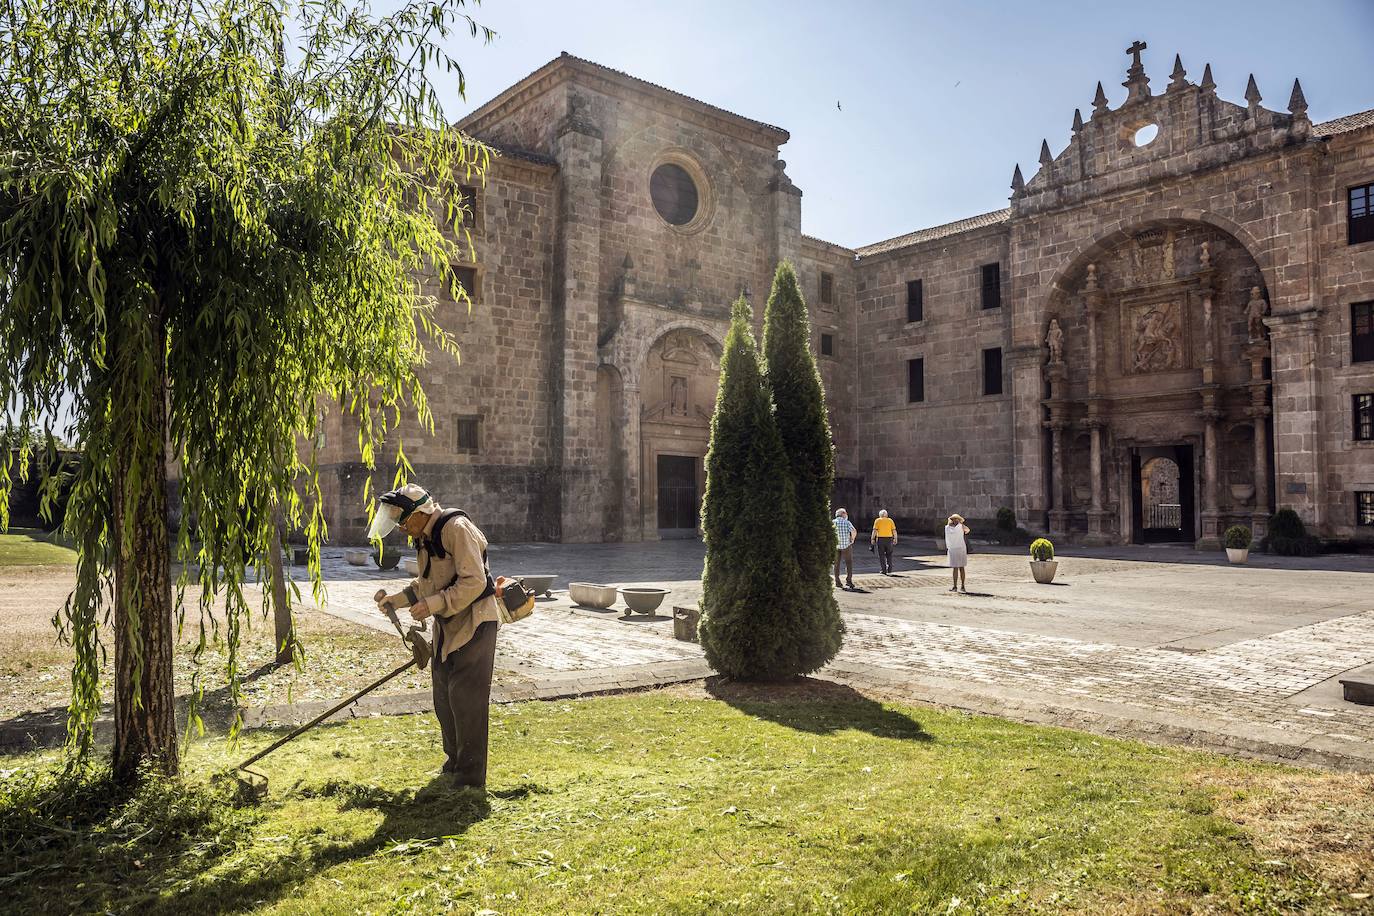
<point>663,803</point>
<point>26,547</point>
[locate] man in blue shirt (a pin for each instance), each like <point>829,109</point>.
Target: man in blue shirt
<point>844,540</point>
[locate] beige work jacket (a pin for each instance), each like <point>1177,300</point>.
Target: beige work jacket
<point>461,613</point>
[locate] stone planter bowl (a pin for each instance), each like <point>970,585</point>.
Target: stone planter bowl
<point>586,594</point>
<point>643,599</point>
<point>357,557</point>
<point>538,585</point>
<point>387,559</point>
<point>1238,556</point>
<point>1044,570</point>
<point>1242,492</point>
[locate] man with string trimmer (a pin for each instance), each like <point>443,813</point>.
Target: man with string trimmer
<point>456,590</point>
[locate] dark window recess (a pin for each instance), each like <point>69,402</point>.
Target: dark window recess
<point>467,198</point>
<point>1361,332</point>
<point>467,279</point>
<point>915,301</point>
<point>827,345</point>
<point>992,286</point>
<point>1364,508</point>
<point>674,194</point>
<point>992,371</point>
<point>1362,408</point>
<point>915,380</point>
<point>468,434</point>
<point>827,289</point>
<point>1360,216</point>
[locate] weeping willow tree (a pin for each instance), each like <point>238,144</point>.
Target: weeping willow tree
<point>212,215</point>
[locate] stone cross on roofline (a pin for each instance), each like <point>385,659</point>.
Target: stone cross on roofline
<point>1134,50</point>
<point>1136,80</point>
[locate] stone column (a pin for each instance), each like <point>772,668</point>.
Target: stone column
<point>1059,513</point>
<point>631,497</point>
<point>1297,416</point>
<point>1097,515</point>
<point>577,256</point>
<point>1258,412</point>
<point>1211,516</point>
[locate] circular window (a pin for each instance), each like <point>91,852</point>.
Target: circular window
<point>674,193</point>
<point>1146,135</point>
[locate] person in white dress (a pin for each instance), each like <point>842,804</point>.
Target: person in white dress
<point>957,547</point>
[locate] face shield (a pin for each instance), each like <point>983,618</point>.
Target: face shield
<point>384,522</point>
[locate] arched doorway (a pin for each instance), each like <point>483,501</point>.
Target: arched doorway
<point>1163,499</point>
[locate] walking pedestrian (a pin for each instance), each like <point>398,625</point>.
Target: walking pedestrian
<point>844,541</point>
<point>957,549</point>
<point>884,534</point>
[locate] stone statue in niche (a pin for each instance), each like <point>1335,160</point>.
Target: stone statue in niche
<point>1054,339</point>
<point>1090,284</point>
<point>1168,271</point>
<point>1205,256</point>
<point>1255,311</point>
<point>677,399</point>
<point>1158,343</point>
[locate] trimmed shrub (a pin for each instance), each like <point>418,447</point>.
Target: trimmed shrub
<point>1237,537</point>
<point>1041,549</point>
<point>1288,536</point>
<point>753,606</point>
<point>799,410</point>
<point>1006,519</point>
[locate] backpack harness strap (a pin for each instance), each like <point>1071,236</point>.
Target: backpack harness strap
<point>433,546</point>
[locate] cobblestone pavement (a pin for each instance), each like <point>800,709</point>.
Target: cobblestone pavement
<point>1154,642</point>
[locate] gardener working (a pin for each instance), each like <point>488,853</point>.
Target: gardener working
<point>455,589</point>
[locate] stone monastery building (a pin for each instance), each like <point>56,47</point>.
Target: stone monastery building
<point>1169,330</point>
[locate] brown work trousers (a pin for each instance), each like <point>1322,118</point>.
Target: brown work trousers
<point>462,697</point>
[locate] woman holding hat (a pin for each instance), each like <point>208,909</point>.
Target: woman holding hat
<point>955,529</point>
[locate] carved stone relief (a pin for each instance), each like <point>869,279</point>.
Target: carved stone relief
<point>1156,337</point>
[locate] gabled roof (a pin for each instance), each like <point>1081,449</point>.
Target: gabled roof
<point>981,221</point>
<point>567,64</point>
<point>1343,125</point>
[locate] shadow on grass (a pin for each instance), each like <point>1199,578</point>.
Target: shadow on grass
<point>816,706</point>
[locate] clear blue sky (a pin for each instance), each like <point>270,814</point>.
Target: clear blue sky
<point>938,99</point>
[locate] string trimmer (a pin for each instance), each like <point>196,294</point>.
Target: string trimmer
<point>254,784</point>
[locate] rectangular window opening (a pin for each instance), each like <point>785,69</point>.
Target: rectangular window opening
<point>1364,508</point>
<point>467,198</point>
<point>915,300</point>
<point>827,289</point>
<point>827,345</point>
<point>915,380</point>
<point>467,280</point>
<point>1361,332</point>
<point>1360,215</point>
<point>992,286</point>
<point>1362,408</point>
<point>992,371</point>
<point>468,434</point>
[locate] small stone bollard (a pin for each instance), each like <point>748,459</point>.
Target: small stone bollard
<point>685,620</point>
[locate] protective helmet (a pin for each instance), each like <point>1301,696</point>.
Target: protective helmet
<point>395,506</point>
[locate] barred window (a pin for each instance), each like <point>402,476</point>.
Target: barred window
<point>467,279</point>
<point>1364,508</point>
<point>827,289</point>
<point>1362,408</point>
<point>915,300</point>
<point>468,434</point>
<point>467,199</point>
<point>1361,332</point>
<point>992,286</point>
<point>1360,216</point>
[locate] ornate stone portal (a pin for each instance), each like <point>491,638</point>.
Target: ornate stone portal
<point>1155,364</point>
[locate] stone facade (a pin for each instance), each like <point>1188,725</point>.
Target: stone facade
<point>1179,301</point>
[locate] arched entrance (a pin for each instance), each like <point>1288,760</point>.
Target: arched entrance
<point>1155,347</point>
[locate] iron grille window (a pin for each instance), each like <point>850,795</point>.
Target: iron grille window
<point>1360,216</point>
<point>467,198</point>
<point>915,300</point>
<point>827,345</point>
<point>467,279</point>
<point>992,371</point>
<point>827,289</point>
<point>469,434</point>
<point>992,286</point>
<point>915,380</point>
<point>1364,508</point>
<point>1361,332</point>
<point>1362,407</point>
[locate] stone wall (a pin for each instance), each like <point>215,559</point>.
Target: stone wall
<point>841,372</point>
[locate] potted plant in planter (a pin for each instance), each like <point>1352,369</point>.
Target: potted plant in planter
<point>1237,539</point>
<point>1043,564</point>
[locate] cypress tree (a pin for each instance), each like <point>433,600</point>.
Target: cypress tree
<point>799,410</point>
<point>751,584</point>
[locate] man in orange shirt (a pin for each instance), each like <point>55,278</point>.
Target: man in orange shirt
<point>884,534</point>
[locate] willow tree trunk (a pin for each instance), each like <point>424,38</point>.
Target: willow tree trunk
<point>144,702</point>
<point>281,610</point>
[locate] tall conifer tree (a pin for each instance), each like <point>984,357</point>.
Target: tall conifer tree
<point>799,411</point>
<point>752,598</point>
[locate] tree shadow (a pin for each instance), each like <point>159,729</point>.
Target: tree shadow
<point>816,706</point>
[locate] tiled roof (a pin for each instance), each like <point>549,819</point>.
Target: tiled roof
<point>516,152</point>
<point>1345,124</point>
<point>983,220</point>
<point>819,241</point>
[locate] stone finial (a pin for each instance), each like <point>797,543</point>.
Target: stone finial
<point>1208,84</point>
<point>1045,157</point>
<point>1137,83</point>
<point>1252,96</point>
<point>1205,256</point>
<point>1297,106</point>
<point>1090,284</point>
<point>1018,184</point>
<point>1099,100</point>
<point>1077,121</point>
<point>1177,79</point>
<point>628,263</point>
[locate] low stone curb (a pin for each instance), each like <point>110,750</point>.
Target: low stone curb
<point>1118,721</point>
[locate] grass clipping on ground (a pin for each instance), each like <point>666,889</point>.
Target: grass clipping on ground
<point>30,547</point>
<point>749,800</point>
